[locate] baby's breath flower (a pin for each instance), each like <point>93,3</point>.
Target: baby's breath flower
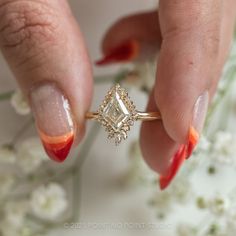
<point>186,230</point>
<point>218,205</point>
<point>7,154</point>
<point>14,213</point>
<point>142,76</point>
<point>162,201</point>
<point>20,104</point>
<point>204,144</point>
<point>224,147</point>
<point>201,203</point>
<point>48,202</point>
<point>30,154</point>
<point>181,189</point>
<point>138,169</point>
<point>7,229</point>
<point>6,183</point>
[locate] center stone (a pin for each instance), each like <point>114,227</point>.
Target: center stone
<point>115,112</point>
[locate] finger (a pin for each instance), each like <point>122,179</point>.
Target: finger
<point>191,48</point>
<point>156,145</point>
<point>162,153</point>
<point>45,50</point>
<point>135,37</point>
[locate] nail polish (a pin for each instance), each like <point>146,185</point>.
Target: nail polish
<point>185,150</point>
<point>125,52</point>
<point>53,119</point>
<point>57,147</point>
<point>176,163</point>
<point>199,115</point>
<point>193,139</point>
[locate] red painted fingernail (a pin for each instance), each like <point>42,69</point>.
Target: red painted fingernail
<point>125,52</point>
<point>54,120</point>
<point>177,161</point>
<point>57,148</point>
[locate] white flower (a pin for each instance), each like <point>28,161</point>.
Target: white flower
<point>142,76</point>
<point>204,144</point>
<point>7,154</point>
<point>218,205</point>
<point>224,147</point>
<point>20,104</point>
<point>181,189</point>
<point>199,155</point>
<point>6,183</point>
<point>231,218</point>
<point>49,202</point>
<point>13,218</point>
<point>7,229</point>
<point>186,230</point>
<point>30,154</point>
<point>15,213</point>
<point>162,201</point>
<point>231,214</point>
<point>138,169</point>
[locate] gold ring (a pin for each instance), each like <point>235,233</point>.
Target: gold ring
<point>117,114</point>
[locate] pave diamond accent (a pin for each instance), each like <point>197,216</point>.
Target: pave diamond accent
<point>117,113</point>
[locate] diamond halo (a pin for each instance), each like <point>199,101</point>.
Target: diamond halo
<point>117,113</point>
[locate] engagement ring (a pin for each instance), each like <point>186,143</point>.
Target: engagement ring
<point>117,114</point>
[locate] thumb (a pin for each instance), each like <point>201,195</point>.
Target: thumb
<point>192,48</point>
<point>45,50</point>
<point>191,54</point>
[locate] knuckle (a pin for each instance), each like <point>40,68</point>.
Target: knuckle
<point>203,37</point>
<point>200,25</point>
<point>26,26</point>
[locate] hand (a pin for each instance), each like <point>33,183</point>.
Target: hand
<point>45,50</point>
<point>44,47</point>
<point>194,38</point>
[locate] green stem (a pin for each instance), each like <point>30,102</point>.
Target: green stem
<point>87,145</point>
<point>6,95</point>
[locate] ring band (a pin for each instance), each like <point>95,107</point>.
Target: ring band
<point>142,116</point>
<point>117,114</point>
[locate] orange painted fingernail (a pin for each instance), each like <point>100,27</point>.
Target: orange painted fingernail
<point>177,162</point>
<point>125,52</point>
<point>192,141</point>
<point>199,115</point>
<point>54,120</point>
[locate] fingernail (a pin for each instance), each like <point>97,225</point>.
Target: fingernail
<point>53,119</point>
<point>199,115</point>
<point>125,52</point>
<point>185,150</point>
<point>177,161</point>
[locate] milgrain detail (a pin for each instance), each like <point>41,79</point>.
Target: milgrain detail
<point>26,26</point>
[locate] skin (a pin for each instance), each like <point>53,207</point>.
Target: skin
<point>194,37</point>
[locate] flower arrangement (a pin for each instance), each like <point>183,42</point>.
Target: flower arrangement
<point>34,198</point>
